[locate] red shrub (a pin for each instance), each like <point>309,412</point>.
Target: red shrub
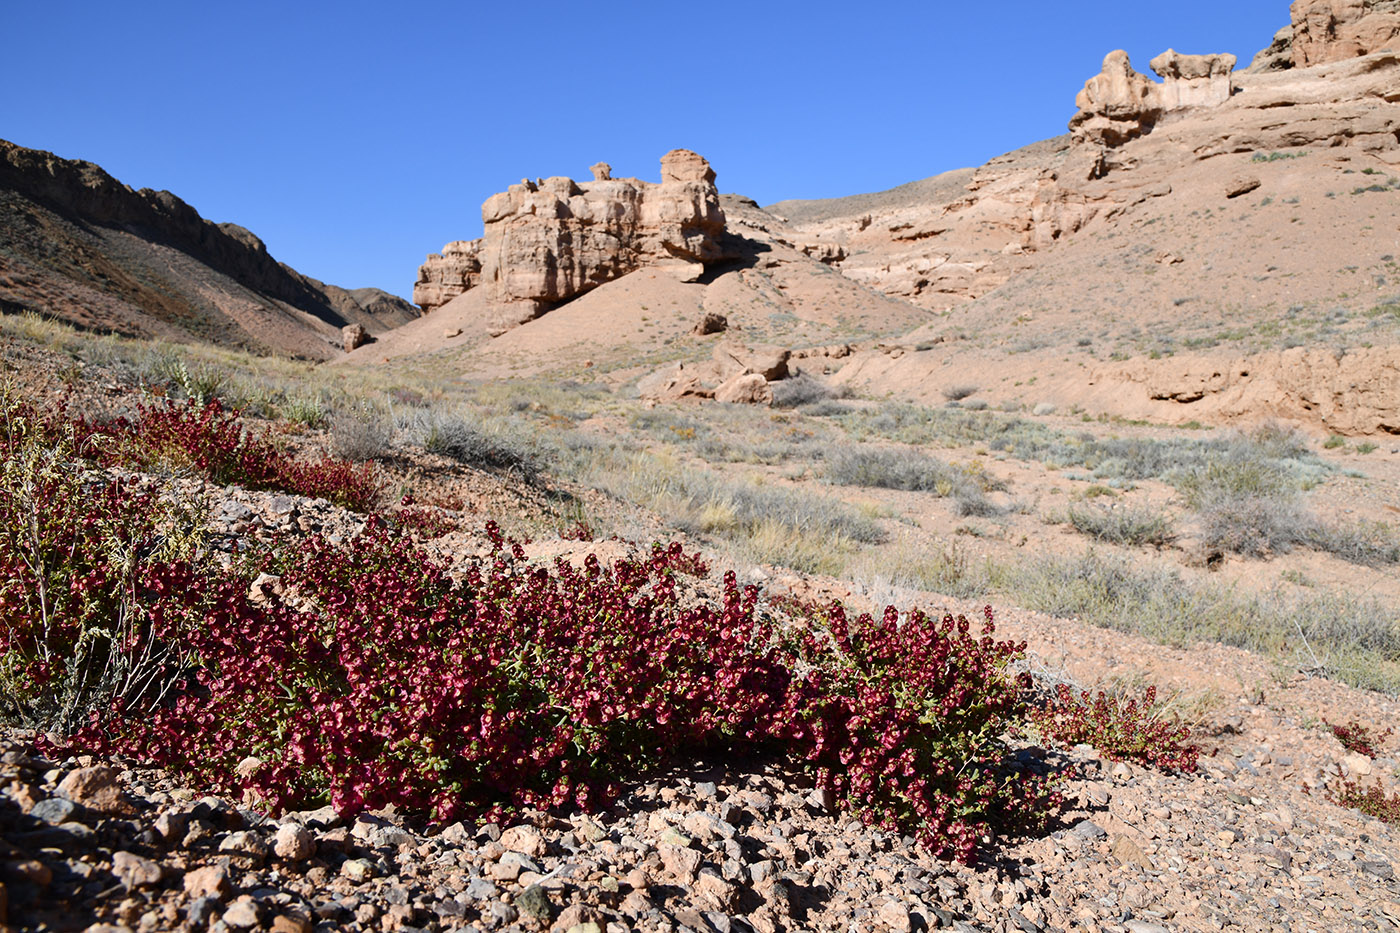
<point>1120,731</point>
<point>1357,738</point>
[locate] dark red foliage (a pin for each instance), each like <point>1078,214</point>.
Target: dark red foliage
<point>1372,801</point>
<point>379,677</point>
<point>217,444</point>
<point>1357,738</point>
<point>1120,731</point>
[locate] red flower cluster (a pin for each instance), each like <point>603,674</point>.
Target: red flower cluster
<point>1372,801</point>
<point>1120,731</point>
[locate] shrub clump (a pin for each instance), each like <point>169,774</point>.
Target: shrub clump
<point>1122,525</point>
<point>215,442</point>
<point>1120,731</point>
<point>1371,801</point>
<point>368,674</point>
<point>910,469</point>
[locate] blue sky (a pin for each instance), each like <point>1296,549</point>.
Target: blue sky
<point>356,137</point>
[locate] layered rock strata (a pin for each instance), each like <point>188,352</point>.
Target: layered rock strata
<point>552,239</point>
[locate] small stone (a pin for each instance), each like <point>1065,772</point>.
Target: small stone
<point>95,788</point>
<point>291,922</point>
<point>243,913</point>
<point>357,870</point>
<point>524,839</point>
<point>54,810</point>
<point>209,881</point>
<point>202,910</point>
<point>135,871</point>
<point>32,871</point>
<point>294,843</point>
<point>1358,765</point>
<point>502,912</point>
<point>1227,837</point>
<point>172,824</point>
<point>1126,850</point>
<point>1383,870</point>
<point>894,915</point>
<point>246,844</point>
<point>533,902</point>
<point>680,861</point>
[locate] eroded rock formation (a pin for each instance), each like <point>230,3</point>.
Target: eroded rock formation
<point>1119,104</point>
<point>1335,30</point>
<point>549,240</point>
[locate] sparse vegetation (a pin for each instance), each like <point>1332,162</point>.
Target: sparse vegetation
<point>1134,526</point>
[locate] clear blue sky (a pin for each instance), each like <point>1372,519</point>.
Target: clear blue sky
<point>356,137</point>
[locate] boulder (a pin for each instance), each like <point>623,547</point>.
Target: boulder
<point>673,383</point>
<point>711,323</point>
<point>1193,80</point>
<point>549,240</point>
<point>745,389</point>
<point>1116,105</point>
<point>353,336</point>
<point>1241,185</point>
<point>737,360</point>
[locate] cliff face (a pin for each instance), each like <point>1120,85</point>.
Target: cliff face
<point>80,245</point>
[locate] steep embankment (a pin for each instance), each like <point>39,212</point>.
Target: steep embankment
<point>78,244</point>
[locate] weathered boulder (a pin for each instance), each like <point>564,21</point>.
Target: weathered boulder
<point>1193,80</point>
<point>737,360</point>
<point>745,389</point>
<point>1116,105</point>
<point>549,240</point>
<point>353,336</point>
<point>711,323</point>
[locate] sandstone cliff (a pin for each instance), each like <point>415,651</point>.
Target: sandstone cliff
<point>550,240</point>
<point>1323,31</point>
<point>84,247</point>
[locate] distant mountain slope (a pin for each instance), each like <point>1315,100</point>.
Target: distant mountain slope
<point>77,244</point>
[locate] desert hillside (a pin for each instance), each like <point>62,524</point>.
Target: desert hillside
<point>78,245</point>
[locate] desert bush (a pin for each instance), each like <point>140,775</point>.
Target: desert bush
<point>804,389</point>
<point>1134,526</point>
<point>1119,730</point>
<point>1353,640</point>
<point>955,393</point>
<point>910,469</point>
<point>457,437</point>
<point>360,435</point>
<point>1368,543</point>
<point>215,443</point>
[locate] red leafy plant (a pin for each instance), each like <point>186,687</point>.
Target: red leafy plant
<point>1371,801</point>
<point>89,568</point>
<point>1357,738</point>
<point>1121,731</point>
<point>216,443</point>
<point>380,676</point>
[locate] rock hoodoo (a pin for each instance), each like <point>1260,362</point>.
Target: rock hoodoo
<point>549,240</point>
<point>1119,104</point>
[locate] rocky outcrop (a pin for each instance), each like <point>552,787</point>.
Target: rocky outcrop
<point>447,274</point>
<point>735,373</point>
<point>552,239</point>
<point>1116,105</point>
<point>1193,80</point>
<point>1335,30</point>
<point>1321,31</point>
<point>1119,104</point>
